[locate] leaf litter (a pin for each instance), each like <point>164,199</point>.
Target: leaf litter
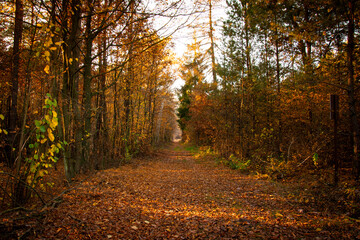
<point>172,196</point>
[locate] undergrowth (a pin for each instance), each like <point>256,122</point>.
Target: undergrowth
<point>310,185</point>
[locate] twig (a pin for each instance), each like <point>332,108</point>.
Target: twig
<point>26,185</point>
<point>76,219</point>
<point>4,190</point>
<point>62,193</point>
<point>312,154</point>
<point>26,233</point>
<point>292,141</point>
<point>15,209</point>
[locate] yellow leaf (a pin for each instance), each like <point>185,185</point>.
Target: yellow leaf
<point>54,113</point>
<point>53,48</point>
<point>50,134</point>
<point>47,69</point>
<point>2,117</point>
<point>5,131</point>
<point>53,123</point>
<point>278,215</point>
<point>47,53</point>
<point>43,140</point>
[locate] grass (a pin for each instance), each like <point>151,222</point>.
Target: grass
<point>187,147</point>
<point>192,149</point>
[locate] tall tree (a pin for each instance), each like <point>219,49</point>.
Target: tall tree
<point>352,7</point>
<point>14,80</point>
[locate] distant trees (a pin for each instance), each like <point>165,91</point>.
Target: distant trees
<point>281,60</point>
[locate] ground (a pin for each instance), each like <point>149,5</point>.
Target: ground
<point>171,195</point>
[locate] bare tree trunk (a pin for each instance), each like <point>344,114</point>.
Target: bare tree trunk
<point>212,45</point>
<point>87,81</point>
<point>351,90</point>
<point>128,82</point>
<point>279,140</point>
<point>13,115</point>
<point>71,49</point>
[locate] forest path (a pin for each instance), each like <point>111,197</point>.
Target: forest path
<point>173,196</point>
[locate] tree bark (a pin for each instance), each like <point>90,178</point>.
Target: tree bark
<point>87,80</point>
<point>14,80</point>
<point>351,90</point>
<point>71,50</point>
<point>212,45</point>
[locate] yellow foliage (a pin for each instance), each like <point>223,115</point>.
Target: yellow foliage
<point>53,123</point>
<point>50,134</point>
<point>47,69</point>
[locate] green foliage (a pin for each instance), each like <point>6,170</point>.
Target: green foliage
<point>183,109</point>
<point>192,72</point>
<point>45,149</point>
<point>235,163</point>
<point>192,149</point>
<point>232,161</point>
<point>316,159</point>
<point>128,155</point>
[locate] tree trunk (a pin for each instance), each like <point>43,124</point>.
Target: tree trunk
<point>351,90</point>
<point>87,81</point>
<point>212,45</point>
<point>13,115</point>
<point>71,49</point>
<point>279,136</point>
<point>75,74</point>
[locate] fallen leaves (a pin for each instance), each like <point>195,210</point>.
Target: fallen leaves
<point>169,198</point>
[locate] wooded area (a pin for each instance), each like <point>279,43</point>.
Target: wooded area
<point>87,85</point>
<point>268,108</point>
<point>87,82</point>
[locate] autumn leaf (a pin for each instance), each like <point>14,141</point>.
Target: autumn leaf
<point>50,134</point>
<point>47,69</point>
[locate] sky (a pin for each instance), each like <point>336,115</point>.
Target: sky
<point>181,29</point>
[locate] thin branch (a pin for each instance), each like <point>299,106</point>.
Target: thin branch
<point>26,185</point>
